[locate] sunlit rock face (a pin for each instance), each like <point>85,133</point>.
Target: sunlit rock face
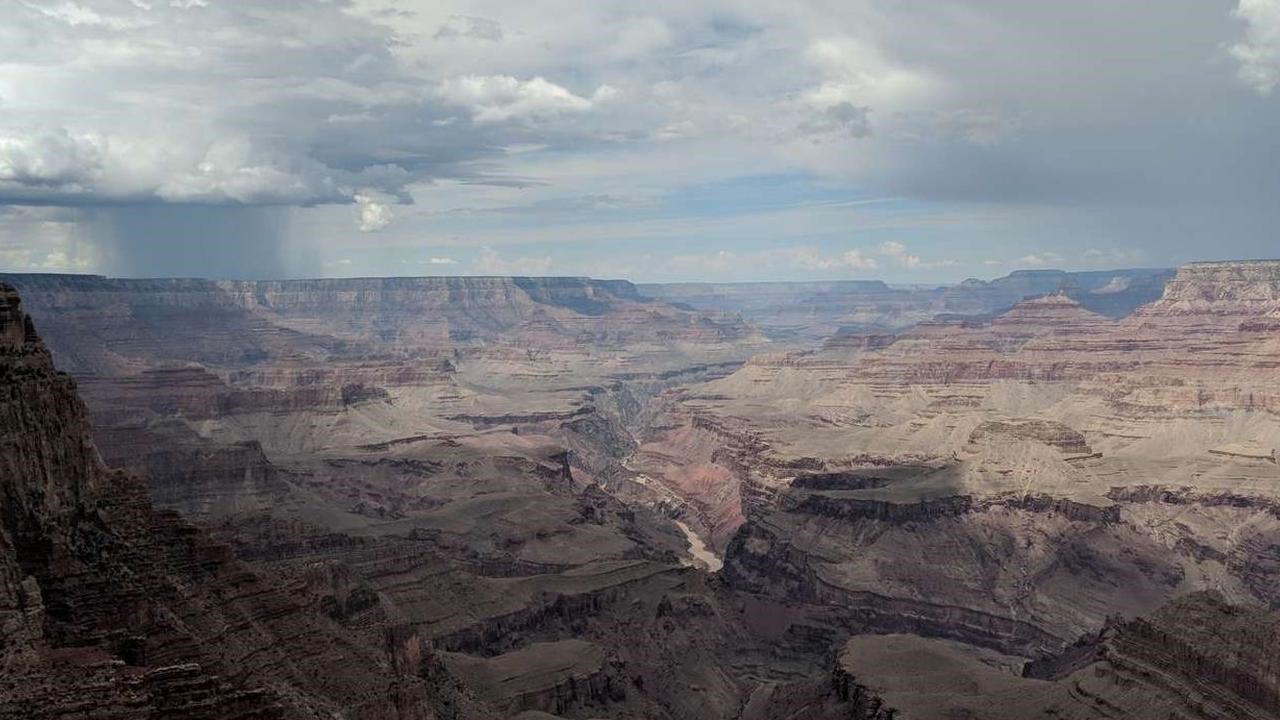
<point>1007,482</point>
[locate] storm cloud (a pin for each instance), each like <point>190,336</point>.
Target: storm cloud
<point>220,241</point>
<point>376,134</point>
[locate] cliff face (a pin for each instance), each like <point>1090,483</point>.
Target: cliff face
<point>109,605</point>
<point>181,374</point>
<point>1197,657</point>
<point>1225,283</point>
<point>96,323</point>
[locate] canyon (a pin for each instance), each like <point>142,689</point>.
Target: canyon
<point>1051,494</point>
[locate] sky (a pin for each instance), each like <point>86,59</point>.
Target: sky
<point>687,140</point>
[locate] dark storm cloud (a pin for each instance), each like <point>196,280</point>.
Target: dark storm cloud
<point>242,102</point>
<point>212,241</point>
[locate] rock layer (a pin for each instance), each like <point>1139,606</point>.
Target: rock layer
<point>111,607</point>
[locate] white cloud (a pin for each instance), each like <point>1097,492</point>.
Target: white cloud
<point>497,98</point>
<point>1039,260</point>
<point>807,259</point>
<point>490,262</point>
<point>233,169</point>
<point>859,75</point>
<point>371,214</point>
<point>441,261</point>
<point>1259,52</point>
<point>54,164</point>
<point>50,158</point>
<point>898,252</point>
<point>810,259</point>
<point>75,14</point>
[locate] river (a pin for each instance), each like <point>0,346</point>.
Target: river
<point>702,556</point>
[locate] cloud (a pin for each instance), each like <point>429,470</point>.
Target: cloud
<point>810,259</point>
<point>1113,257</point>
<point>489,262</point>
<point>474,28</point>
<point>299,105</point>
<point>371,214</point>
<point>50,158</point>
<point>1259,53</point>
<point>898,255</point>
<point>1039,260</point>
<point>859,76</point>
<point>42,239</point>
<point>898,252</point>
<point>336,115</point>
<point>441,261</point>
<point>499,98</point>
<point>807,259</point>
<point>199,240</point>
<point>843,118</point>
<point>55,165</point>
<point>75,14</point>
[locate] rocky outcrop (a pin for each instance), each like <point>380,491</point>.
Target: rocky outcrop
<point>1197,658</point>
<point>1207,651</point>
<point>108,604</point>
<point>851,507</point>
<point>761,560</point>
<point>1220,284</point>
<point>185,472</point>
<point>862,702</point>
<point>1048,432</point>
<point>554,677</point>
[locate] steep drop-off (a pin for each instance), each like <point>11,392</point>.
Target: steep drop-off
<point>113,609</point>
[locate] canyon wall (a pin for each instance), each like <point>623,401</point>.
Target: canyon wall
<point>111,606</point>
<point>1008,482</point>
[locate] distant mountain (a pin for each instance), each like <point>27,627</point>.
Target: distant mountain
<point>817,309</point>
